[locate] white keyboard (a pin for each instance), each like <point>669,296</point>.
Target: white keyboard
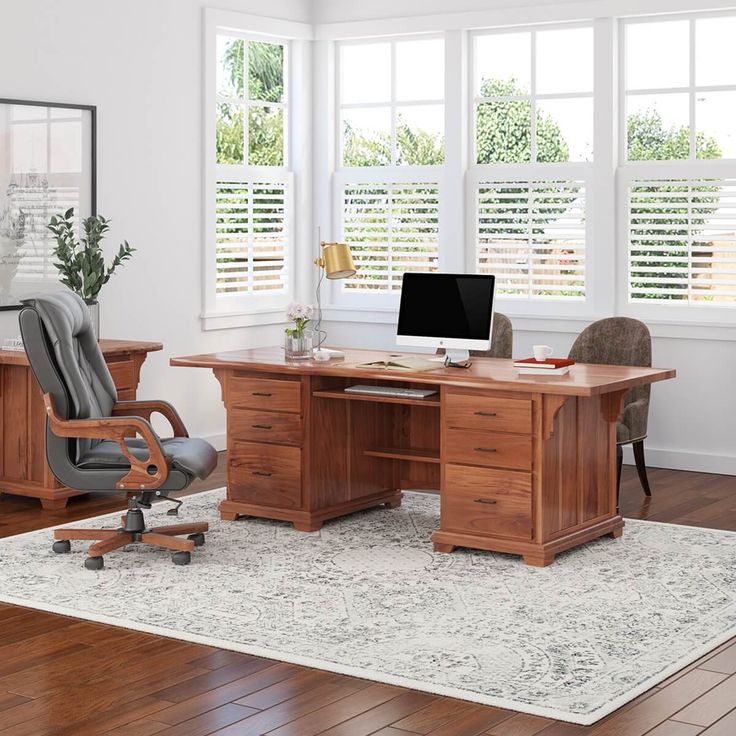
<point>400,393</point>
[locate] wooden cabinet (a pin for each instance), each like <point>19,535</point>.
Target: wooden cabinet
<point>23,468</point>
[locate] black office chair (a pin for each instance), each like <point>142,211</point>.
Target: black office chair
<point>91,442</point>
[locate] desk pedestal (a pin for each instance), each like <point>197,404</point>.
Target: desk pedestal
<point>526,473</point>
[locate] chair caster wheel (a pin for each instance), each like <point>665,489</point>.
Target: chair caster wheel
<point>94,563</point>
<point>181,558</point>
<point>198,539</point>
<point>62,546</point>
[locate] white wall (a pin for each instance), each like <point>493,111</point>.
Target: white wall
<point>140,62</point>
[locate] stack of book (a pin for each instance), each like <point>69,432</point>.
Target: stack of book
<point>548,367</point>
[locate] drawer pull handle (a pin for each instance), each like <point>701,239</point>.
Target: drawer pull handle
<point>262,472</point>
<point>485,449</point>
<point>261,393</point>
<point>261,426</point>
<point>489,501</point>
<point>485,413</point>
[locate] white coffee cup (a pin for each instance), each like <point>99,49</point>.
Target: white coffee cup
<point>542,352</point>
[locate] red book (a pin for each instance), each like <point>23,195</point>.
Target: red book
<point>549,363</point>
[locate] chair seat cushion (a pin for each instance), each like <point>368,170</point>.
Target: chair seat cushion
<point>188,454</point>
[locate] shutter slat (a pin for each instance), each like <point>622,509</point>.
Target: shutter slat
<point>251,237</point>
<point>531,234</point>
<point>682,240</point>
<point>391,228</point>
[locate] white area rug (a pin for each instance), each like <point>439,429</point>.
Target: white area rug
<point>367,597</point>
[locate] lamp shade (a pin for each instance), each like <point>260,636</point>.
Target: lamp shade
<point>338,260</point>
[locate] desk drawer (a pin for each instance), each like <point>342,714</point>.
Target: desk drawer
<point>264,426</point>
<point>484,501</point>
<point>492,449</point>
<point>268,475</point>
<point>473,411</point>
<point>266,393</point>
<point>123,374</point>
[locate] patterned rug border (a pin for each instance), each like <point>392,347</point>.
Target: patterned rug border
<point>364,673</point>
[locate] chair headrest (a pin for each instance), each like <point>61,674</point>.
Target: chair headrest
<point>64,314</point>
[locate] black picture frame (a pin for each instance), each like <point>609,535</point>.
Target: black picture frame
<point>92,110</point>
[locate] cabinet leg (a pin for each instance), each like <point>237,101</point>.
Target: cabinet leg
<point>394,503</point>
<point>53,504</point>
<point>616,533</point>
<point>229,515</point>
<point>307,526</point>
<point>443,547</point>
<point>539,560</point>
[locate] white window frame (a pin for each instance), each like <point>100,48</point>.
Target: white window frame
<point>225,311</point>
<point>667,312</point>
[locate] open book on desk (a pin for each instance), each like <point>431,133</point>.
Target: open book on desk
<point>412,365</point>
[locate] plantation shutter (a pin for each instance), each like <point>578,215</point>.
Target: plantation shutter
<point>391,228</point>
<point>252,233</point>
<point>531,235</point>
<point>682,240</point>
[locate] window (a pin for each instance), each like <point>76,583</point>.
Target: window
<point>678,178</point>
<point>392,148</point>
<point>250,198</point>
<point>533,96</point>
<point>251,103</point>
<point>391,100</point>
<point>532,133</point>
<point>531,235</point>
<point>680,89</point>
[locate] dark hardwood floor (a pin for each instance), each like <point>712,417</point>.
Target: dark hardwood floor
<point>68,677</point>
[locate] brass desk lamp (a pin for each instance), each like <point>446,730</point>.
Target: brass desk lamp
<point>335,262</point>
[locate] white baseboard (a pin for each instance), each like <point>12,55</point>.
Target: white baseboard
<point>702,462</point>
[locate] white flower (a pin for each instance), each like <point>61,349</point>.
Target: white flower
<point>299,312</point>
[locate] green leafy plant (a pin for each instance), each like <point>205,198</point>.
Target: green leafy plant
<point>81,263</point>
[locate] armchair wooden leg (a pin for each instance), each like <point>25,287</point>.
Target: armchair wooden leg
<point>196,528</point>
<point>641,466</point>
<point>108,545</point>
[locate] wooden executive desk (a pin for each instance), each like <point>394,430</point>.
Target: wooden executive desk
<point>525,465</point>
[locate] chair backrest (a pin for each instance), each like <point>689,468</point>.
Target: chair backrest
<point>65,358</point>
<point>616,341</point>
<point>502,339</point>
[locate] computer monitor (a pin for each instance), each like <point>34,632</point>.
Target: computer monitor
<point>453,311</point>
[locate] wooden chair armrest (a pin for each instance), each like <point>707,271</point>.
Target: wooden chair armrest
<point>146,408</point>
<point>116,428</point>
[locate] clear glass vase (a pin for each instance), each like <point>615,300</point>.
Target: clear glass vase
<point>94,314</point>
<point>299,347</point>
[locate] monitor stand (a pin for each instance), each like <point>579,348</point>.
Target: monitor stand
<point>456,355</point>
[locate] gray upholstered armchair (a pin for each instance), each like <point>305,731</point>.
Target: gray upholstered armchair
<point>502,339</point>
<point>622,341</point>
<point>91,442</point>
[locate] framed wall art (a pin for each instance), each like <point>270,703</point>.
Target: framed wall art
<point>47,165</point>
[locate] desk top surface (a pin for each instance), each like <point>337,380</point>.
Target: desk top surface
<point>108,347</point>
<point>486,373</point>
